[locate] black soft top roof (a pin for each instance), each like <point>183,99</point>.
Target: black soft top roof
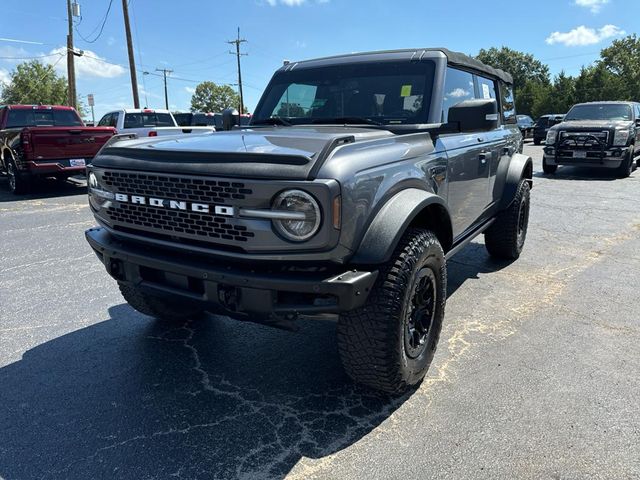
<point>453,58</point>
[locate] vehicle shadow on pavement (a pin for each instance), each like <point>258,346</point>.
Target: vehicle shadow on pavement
<point>44,188</point>
<point>130,397</point>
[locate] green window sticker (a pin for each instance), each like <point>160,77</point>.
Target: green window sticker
<point>405,91</point>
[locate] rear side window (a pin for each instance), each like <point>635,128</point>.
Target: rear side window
<point>486,88</point>
<point>508,104</point>
<point>458,87</point>
<point>638,111</point>
<point>182,119</point>
<point>42,118</point>
<point>147,119</point>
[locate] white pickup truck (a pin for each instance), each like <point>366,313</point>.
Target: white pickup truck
<point>146,122</point>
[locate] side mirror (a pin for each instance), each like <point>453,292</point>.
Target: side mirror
<point>230,118</point>
<point>475,115</point>
<point>637,122</point>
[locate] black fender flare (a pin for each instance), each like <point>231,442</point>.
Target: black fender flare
<point>520,166</point>
<point>391,221</point>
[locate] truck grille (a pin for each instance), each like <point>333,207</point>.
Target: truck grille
<point>178,223</point>
<point>185,226</point>
<point>584,140</point>
<point>180,188</point>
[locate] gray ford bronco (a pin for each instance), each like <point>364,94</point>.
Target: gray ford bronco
<point>357,178</point>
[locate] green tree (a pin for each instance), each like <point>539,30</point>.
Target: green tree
<point>32,83</point>
<point>622,59</point>
<point>522,66</point>
<point>563,93</point>
<point>210,97</point>
<point>597,82</point>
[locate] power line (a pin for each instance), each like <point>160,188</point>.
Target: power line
<point>104,21</point>
<point>237,53</point>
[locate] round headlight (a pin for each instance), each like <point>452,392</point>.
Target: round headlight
<point>302,226</point>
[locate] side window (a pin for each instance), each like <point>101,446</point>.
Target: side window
<point>113,120</point>
<point>638,111</point>
<point>458,87</point>
<point>486,88</point>
<point>508,104</point>
<point>104,121</point>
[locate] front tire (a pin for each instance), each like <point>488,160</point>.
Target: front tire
<point>505,238</point>
<point>626,167</point>
<point>548,169</point>
<point>165,309</point>
<point>389,343</point>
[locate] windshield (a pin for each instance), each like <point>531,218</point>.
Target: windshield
<point>148,119</point>
<point>385,93</point>
<point>42,118</point>
<point>611,111</point>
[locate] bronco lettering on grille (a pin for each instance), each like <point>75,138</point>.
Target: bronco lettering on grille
<point>222,210</point>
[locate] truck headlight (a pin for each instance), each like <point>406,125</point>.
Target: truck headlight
<point>621,138</point>
<point>299,227</point>
<point>93,181</point>
<point>551,137</point>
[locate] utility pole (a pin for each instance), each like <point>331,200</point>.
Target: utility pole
<point>237,53</point>
<point>132,63</point>
<point>71,70</point>
<point>164,74</point>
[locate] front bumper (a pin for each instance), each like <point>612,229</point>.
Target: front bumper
<point>55,167</point>
<point>604,158</point>
<point>238,291</point>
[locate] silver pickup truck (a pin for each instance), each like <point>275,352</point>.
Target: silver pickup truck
<point>147,122</point>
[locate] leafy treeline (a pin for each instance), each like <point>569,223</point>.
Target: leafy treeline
<point>615,76</point>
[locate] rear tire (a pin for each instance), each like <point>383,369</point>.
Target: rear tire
<point>505,238</point>
<point>548,169</point>
<point>165,309</point>
<point>17,183</point>
<point>389,343</point>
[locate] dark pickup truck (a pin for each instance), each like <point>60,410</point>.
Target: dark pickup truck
<point>596,134</point>
<point>45,141</point>
<point>357,178</point>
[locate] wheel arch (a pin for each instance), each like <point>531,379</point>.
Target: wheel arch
<point>520,167</point>
<point>411,207</point>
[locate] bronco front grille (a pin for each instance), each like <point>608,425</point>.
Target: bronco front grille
<point>180,188</point>
<point>179,222</point>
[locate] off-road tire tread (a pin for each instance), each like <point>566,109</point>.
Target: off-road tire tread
<point>501,239</point>
<point>626,167</point>
<point>368,336</point>
<point>157,307</point>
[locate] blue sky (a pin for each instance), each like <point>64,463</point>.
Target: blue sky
<point>190,37</point>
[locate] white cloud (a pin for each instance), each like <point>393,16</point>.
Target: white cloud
<point>111,41</point>
<point>582,35</point>
<point>190,90</point>
<point>301,44</point>
<point>89,64</point>
<point>593,5</point>
<point>459,93</point>
<point>4,76</point>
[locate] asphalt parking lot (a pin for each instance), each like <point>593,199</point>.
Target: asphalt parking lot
<point>536,375</point>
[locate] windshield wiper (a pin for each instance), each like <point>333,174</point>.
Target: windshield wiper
<point>272,121</point>
<point>345,120</point>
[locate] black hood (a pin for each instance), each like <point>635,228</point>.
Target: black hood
<point>588,125</point>
<point>290,153</point>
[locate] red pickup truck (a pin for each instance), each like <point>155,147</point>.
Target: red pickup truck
<point>45,141</point>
